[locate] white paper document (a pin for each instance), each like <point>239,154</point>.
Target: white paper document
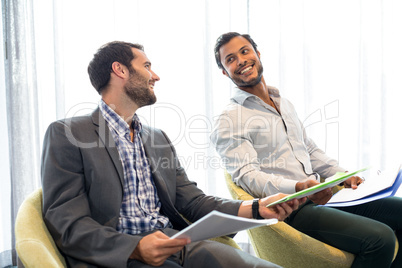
<point>375,186</point>
<point>217,224</point>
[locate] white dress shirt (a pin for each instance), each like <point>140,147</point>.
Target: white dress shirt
<point>264,151</point>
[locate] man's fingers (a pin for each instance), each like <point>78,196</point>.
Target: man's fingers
<point>177,242</point>
<point>322,197</point>
<point>165,241</point>
<point>288,208</point>
<point>302,200</point>
<point>280,211</point>
<point>355,181</point>
<point>155,248</point>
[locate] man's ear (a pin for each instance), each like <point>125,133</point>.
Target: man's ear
<point>225,73</point>
<point>119,69</point>
<point>258,53</point>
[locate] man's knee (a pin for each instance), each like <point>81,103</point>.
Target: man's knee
<point>381,240</point>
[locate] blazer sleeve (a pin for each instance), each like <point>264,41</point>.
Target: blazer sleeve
<point>68,208</point>
<point>189,200</point>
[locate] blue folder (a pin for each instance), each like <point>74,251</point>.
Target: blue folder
<point>390,191</point>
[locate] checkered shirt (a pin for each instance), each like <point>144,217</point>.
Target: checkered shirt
<point>140,208</point>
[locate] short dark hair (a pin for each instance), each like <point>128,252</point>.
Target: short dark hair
<point>100,67</point>
<point>224,39</point>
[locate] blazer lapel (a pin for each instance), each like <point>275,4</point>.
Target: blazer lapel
<point>107,141</point>
<point>164,191</point>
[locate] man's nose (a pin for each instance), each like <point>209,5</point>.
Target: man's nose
<point>155,76</point>
<point>241,61</point>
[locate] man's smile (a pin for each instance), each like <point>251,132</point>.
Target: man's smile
<point>151,85</point>
<point>245,70</point>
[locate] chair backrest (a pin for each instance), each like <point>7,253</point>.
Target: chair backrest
<point>34,244</point>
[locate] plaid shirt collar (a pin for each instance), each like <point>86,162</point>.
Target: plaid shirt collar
<point>117,123</point>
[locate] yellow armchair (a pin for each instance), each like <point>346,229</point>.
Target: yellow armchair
<point>285,246</point>
<point>282,244</point>
<point>34,244</point>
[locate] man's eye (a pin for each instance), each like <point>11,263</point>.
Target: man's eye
<point>229,60</point>
<point>245,51</point>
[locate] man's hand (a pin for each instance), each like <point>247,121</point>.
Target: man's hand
<point>320,198</point>
<point>353,182</point>
<point>155,248</point>
<point>280,211</point>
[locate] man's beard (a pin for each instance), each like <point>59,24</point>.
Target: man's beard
<point>241,83</point>
<point>137,89</point>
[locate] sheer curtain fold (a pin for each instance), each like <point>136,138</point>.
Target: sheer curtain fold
<point>22,110</point>
<point>337,61</point>
<point>5,196</point>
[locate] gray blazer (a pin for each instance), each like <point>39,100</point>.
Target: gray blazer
<point>82,180</point>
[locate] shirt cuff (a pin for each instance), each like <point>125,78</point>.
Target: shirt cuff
<point>315,176</point>
<point>288,186</point>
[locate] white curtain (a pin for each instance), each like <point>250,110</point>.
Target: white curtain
<point>19,114</point>
<point>339,62</point>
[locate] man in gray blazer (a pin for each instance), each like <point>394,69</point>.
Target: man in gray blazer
<point>114,190</point>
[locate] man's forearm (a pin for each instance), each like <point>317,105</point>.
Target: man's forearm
<point>245,209</point>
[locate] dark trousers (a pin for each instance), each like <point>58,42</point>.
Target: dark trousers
<point>208,254</point>
<point>366,230</point>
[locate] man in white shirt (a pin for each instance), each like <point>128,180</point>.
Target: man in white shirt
<point>266,151</point>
